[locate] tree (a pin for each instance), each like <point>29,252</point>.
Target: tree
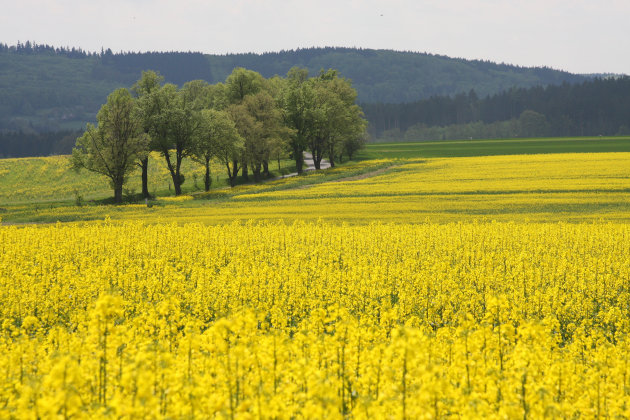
<point>247,128</point>
<point>242,82</point>
<point>183,123</point>
<point>334,116</point>
<point>351,145</point>
<point>229,149</point>
<point>198,93</point>
<point>173,123</point>
<point>266,133</point>
<point>115,144</point>
<point>216,134</point>
<point>239,84</point>
<point>148,83</point>
<point>297,99</point>
<point>532,124</point>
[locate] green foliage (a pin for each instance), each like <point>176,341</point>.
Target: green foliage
<point>591,108</point>
<point>334,116</point>
<point>242,82</point>
<point>113,147</point>
<point>217,137</point>
<point>296,98</point>
<point>266,131</point>
<point>148,83</point>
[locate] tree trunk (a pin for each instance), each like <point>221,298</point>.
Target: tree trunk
<point>299,159</point>
<point>233,173</point>
<point>316,151</point>
<point>331,156</point>
<point>317,159</point>
<point>176,184</point>
<point>178,174</point>
<point>118,193</point>
<point>174,173</point>
<point>245,171</point>
<point>230,175</point>
<point>144,164</point>
<point>266,168</point>
<point>256,171</point>
<point>208,180</point>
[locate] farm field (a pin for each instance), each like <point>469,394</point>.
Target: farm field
<point>315,320</point>
<point>404,286</point>
<point>544,187</point>
<point>459,148</point>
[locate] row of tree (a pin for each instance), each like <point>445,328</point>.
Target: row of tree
<point>244,123</point>
<point>595,107</point>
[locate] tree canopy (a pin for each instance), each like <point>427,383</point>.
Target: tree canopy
<point>115,144</point>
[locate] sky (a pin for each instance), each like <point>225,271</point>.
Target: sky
<point>580,36</point>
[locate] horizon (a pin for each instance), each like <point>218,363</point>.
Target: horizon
<point>297,49</point>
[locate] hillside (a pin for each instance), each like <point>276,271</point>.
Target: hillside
<point>43,88</point>
<point>591,108</point>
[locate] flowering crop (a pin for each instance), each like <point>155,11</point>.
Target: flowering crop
<point>315,320</point>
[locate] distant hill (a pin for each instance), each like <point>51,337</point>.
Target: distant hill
<point>599,106</point>
<point>44,88</point>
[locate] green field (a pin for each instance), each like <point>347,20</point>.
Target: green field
<point>459,148</point>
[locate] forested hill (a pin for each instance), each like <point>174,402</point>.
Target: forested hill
<point>395,77</point>
<point>44,88</point>
<point>600,106</point>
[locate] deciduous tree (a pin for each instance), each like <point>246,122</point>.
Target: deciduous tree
<point>113,147</point>
<point>297,99</point>
<point>239,84</point>
<point>217,135</point>
<point>267,131</point>
<point>334,116</point>
<point>149,82</point>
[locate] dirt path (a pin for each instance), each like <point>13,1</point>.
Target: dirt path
<point>309,165</point>
<point>371,174</point>
<point>365,175</point>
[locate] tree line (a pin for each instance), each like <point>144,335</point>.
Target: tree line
<point>24,144</point>
<point>243,123</point>
<point>596,107</point>
<point>29,47</point>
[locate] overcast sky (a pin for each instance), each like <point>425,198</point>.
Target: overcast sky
<point>580,36</point>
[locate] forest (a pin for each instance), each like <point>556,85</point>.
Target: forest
<point>596,107</point>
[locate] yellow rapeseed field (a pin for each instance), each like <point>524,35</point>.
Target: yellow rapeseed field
<point>481,287</point>
<point>315,320</point>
